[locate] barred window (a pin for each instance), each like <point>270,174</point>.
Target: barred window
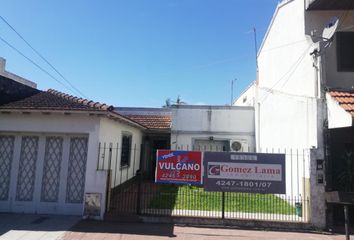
<point>126,149</point>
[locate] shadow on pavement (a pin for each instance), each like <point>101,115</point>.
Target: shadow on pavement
<point>90,226</point>
<point>35,222</point>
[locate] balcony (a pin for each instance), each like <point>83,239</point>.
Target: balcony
<point>329,5</point>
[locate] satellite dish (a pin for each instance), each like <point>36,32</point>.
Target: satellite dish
<point>330,28</point>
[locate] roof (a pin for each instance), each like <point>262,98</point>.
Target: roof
<point>53,100</point>
<point>153,122</point>
<point>151,118</point>
<point>345,98</point>
<point>143,111</point>
<point>330,5</point>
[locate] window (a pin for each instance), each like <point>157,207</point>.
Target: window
<point>126,149</point>
<point>345,51</point>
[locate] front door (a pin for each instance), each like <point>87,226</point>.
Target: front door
<point>157,144</point>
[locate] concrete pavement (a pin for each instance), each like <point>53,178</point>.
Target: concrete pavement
<point>40,227</point>
<point>36,227</point>
<point>87,230</point>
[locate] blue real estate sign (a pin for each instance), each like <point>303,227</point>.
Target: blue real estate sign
<point>244,172</point>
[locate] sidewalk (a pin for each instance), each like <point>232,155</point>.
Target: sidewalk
<point>36,227</point>
<point>89,230</point>
<point>44,227</point>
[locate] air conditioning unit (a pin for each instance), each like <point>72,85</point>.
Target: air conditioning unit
<point>239,145</point>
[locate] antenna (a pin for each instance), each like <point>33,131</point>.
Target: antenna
<point>255,45</point>
<point>232,91</point>
<point>327,35</point>
<point>330,28</point>
<point>328,31</point>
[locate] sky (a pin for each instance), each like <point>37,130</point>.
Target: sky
<point>137,53</point>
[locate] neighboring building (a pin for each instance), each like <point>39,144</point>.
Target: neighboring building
<point>212,128</point>
<point>13,87</point>
<point>49,146</point>
<point>192,127</point>
<point>304,94</point>
<point>156,136</point>
<point>247,97</point>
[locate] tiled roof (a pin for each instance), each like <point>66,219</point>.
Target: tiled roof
<point>345,99</point>
<point>162,122</point>
<point>54,100</point>
<point>151,118</point>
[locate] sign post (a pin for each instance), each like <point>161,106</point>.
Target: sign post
<point>181,167</point>
<point>244,172</point>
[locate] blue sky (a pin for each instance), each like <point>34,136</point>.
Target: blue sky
<point>139,52</point>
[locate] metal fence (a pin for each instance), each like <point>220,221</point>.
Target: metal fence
<point>109,158</point>
<point>129,193</point>
<point>192,201</point>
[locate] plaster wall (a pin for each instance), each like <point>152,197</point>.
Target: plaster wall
<point>247,98</point>
<point>226,123</point>
<point>289,108</point>
<point>111,132</point>
<point>58,125</point>
<point>337,116</point>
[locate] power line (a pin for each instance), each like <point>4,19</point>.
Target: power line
<point>34,63</point>
<point>289,73</point>
<point>343,18</point>
<point>42,57</point>
<point>284,45</point>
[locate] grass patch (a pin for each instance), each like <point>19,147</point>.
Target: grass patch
<point>195,198</point>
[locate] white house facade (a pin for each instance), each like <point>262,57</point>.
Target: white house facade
<point>49,152</point>
<point>212,128</point>
<point>301,77</point>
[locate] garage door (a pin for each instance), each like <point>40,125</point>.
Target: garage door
<point>42,173</point>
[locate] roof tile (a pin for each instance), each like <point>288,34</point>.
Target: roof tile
<point>152,121</point>
<point>345,98</point>
<point>54,100</point>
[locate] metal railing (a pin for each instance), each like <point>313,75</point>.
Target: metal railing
<point>109,158</point>
<point>148,198</point>
<point>129,193</point>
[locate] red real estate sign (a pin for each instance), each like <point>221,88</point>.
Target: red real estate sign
<point>183,167</point>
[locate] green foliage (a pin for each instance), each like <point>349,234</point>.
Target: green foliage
<point>195,198</point>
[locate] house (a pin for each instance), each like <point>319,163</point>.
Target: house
<point>157,134</point>
<point>192,127</point>
<point>49,143</point>
<point>212,128</point>
<point>303,95</point>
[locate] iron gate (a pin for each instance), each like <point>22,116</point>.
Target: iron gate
<point>137,196</point>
